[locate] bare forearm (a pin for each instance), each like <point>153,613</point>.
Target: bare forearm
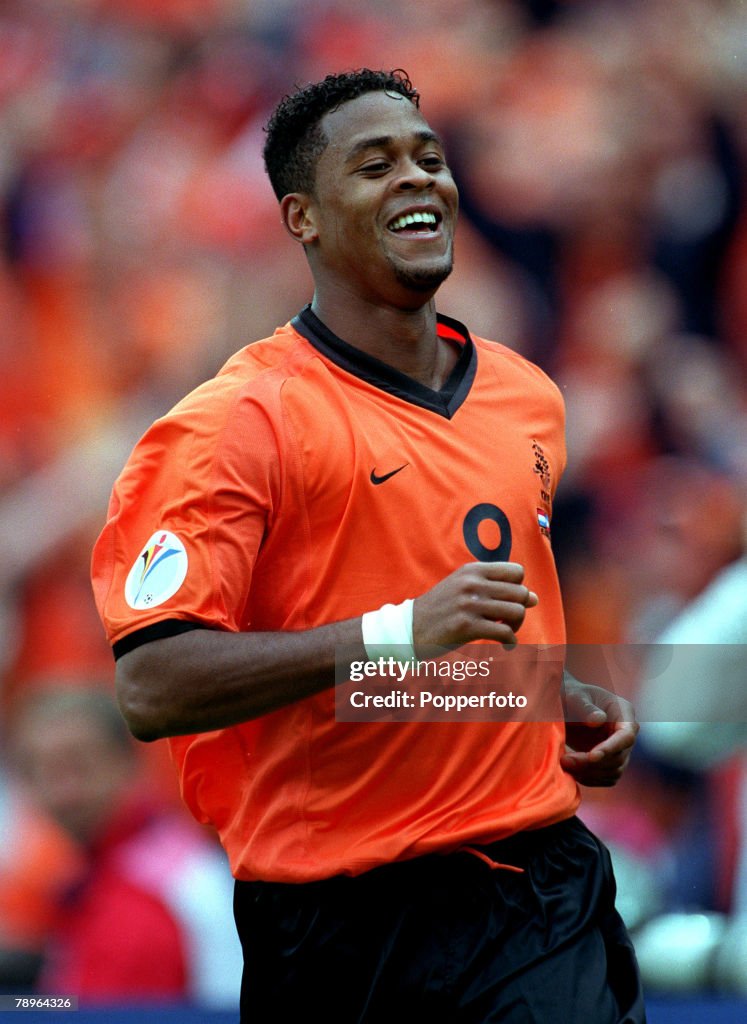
<point>206,679</point>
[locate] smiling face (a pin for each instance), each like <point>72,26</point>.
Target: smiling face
<point>381,220</point>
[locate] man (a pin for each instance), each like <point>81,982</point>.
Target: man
<point>142,915</point>
<point>334,488</point>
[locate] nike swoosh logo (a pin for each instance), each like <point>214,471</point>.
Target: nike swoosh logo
<point>376,480</point>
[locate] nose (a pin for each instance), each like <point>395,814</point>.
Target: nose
<point>413,176</point>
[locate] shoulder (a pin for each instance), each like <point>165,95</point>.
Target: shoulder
<point>523,389</point>
<point>258,369</point>
<point>244,395</point>
<point>285,351</point>
<point>507,361</point>
<point>230,422</point>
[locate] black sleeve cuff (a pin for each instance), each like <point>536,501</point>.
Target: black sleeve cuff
<point>156,631</point>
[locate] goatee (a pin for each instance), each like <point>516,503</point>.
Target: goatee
<point>421,279</point>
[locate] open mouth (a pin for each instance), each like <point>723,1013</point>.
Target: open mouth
<point>421,222</point>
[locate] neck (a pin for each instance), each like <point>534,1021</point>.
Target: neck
<point>405,339</point>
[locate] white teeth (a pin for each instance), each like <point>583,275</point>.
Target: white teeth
<point>407,219</point>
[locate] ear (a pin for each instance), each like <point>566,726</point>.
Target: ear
<point>297,213</point>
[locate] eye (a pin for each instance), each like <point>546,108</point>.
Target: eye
<point>432,162</point>
<point>375,167</point>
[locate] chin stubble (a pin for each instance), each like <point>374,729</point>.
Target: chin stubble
<point>422,279</point>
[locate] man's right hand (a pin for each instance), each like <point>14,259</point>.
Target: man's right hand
<point>479,601</point>
<point>209,679</point>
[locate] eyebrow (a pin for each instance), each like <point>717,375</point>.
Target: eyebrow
<point>382,141</point>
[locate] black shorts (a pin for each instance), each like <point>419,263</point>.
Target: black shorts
<point>446,940</point>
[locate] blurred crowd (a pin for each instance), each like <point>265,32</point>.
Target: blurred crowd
<point>600,147</point>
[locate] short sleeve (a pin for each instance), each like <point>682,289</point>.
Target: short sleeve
<point>188,515</point>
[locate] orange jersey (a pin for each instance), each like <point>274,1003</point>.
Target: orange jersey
<point>308,483</point>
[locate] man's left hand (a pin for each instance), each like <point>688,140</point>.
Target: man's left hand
<point>601,729</point>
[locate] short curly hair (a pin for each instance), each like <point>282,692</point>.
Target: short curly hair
<point>294,139</point>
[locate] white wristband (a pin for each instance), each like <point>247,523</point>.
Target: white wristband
<point>389,626</point>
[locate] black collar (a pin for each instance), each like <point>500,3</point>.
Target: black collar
<point>445,401</point>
